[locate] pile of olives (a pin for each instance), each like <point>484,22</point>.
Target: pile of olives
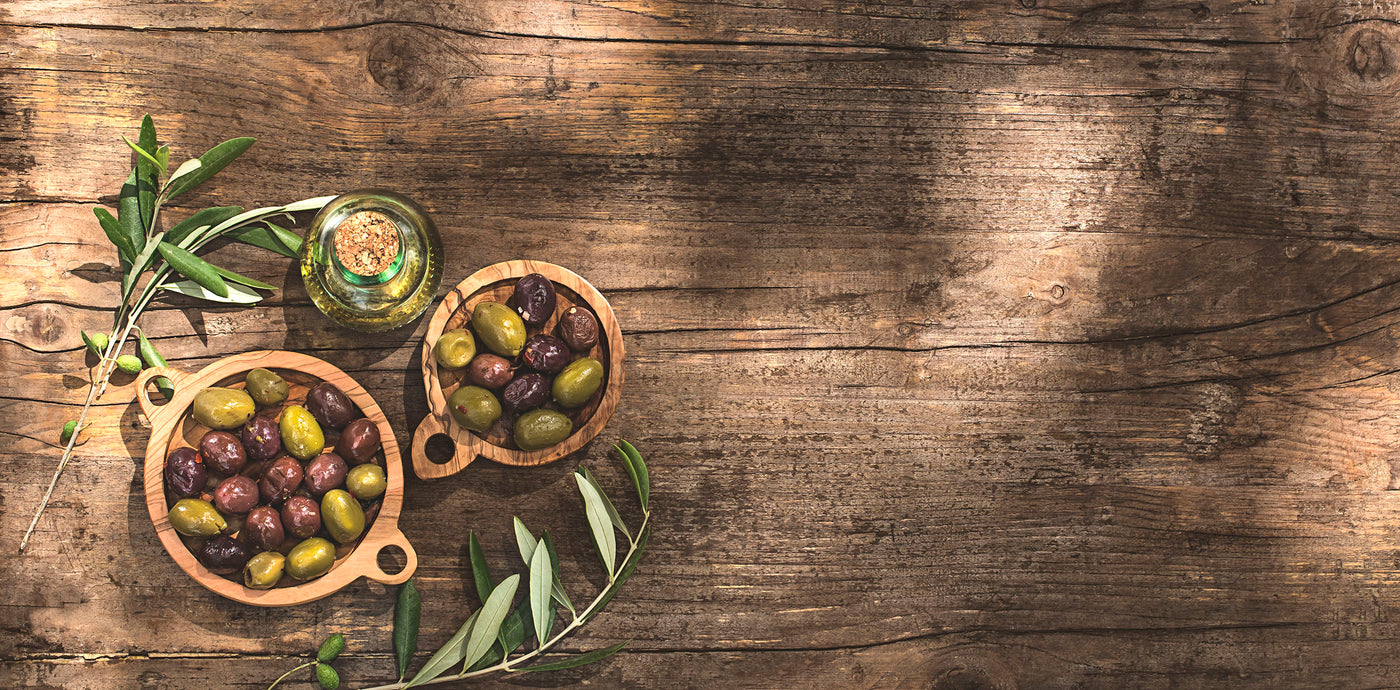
<point>518,375</point>
<point>262,494</point>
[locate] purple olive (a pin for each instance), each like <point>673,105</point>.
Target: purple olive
<point>330,406</point>
<point>533,299</point>
<point>224,555</point>
<point>578,328</point>
<point>222,452</point>
<point>325,472</point>
<point>545,353</point>
<point>261,438</point>
<point>489,371</point>
<point>236,495</point>
<point>301,516</point>
<point>526,392</point>
<point>263,528</point>
<point>359,442</point>
<point>185,472</point>
<point>280,479</point>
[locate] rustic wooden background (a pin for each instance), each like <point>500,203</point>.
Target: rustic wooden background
<point>1030,343</point>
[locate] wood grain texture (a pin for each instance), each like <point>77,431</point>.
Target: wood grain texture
<point>1036,343</point>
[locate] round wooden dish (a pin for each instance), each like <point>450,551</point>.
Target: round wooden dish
<point>173,426</point>
<point>495,283</point>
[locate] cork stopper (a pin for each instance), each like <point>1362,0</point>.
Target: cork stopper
<point>367,246</point>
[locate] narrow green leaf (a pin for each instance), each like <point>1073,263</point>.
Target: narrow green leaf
<point>627,569</point>
<point>203,218</point>
<point>129,212</point>
<point>525,541</point>
<point>558,587</point>
<point>145,156</point>
<point>185,168</point>
<point>480,572</point>
<point>163,157</point>
<point>607,502</point>
<point>488,625</point>
<point>272,238</point>
<point>194,268</point>
<point>242,279</point>
<point>148,171</point>
<point>139,266</point>
<point>406,613</point>
<point>211,162</point>
<point>599,524</point>
<point>446,656</point>
<point>580,660</point>
<point>113,228</point>
<point>237,294</point>
<point>513,630</point>
<point>637,469</point>
<point>153,359</point>
<point>541,577</point>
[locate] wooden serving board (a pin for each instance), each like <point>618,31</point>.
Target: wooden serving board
<point>173,426</point>
<point>496,283</point>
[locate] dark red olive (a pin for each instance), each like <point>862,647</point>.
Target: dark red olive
<point>331,407</point>
<point>222,452</point>
<point>578,328</point>
<point>261,438</point>
<point>325,472</point>
<point>489,371</point>
<point>236,495</point>
<point>359,442</point>
<point>301,517</point>
<point>185,473</point>
<point>224,555</point>
<point>545,353</point>
<point>282,478</point>
<point>533,299</point>
<point>263,528</point>
<point>526,392</point>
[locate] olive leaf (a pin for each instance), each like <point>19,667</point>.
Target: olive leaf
<point>488,624</point>
<point>637,470</point>
<point>272,238</point>
<point>607,503</point>
<point>580,660</point>
<point>115,234</point>
<point>202,219</point>
<point>599,524</point>
<point>193,172</point>
<point>194,268</point>
<point>480,573</point>
<point>557,588</point>
<point>406,612</point>
<point>241,279</point>
<point>148,171</point>
<point>446,656</point>
<point>524,541</point>
<point>237,294</point>
<point>541,577</point>
<point>129,212</point>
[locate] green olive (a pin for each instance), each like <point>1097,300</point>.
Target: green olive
<point>310,558</point>
<point>366,481</point>
<point>454,349</point>
<point>500,328</point>
<point>264,570</point>
<point>578,382</point>
<point>265,387</point>
<point>474,407</point>
<point>301,435</point>
<point>223,408</point>
<point>195,518</point>
<point>541,428</point>
<point>342,516</point>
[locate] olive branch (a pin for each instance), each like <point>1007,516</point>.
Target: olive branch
<point>145,250</point>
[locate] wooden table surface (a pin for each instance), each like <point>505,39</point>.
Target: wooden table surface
<point>1031,343</point>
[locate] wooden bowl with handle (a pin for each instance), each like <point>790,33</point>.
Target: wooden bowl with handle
<point>173,426</point>
<point>496,283</point>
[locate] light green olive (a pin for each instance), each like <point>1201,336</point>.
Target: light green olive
<point>301,435</point>
<point>366,481</point>
<point>454,349</point>
<point>499,327</point>
<point>195,518</point>
<point>310,558</point>
<point>264,570</point>
<point>474,408</point>
<point>578,382</point>
<point>223,408</point>
<point>541,428</point>
<point>265,387</point>
<point>342,516</point>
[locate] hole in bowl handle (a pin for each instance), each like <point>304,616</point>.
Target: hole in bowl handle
<point>149,408</point>
<point>378,575</point>
<point>426,468</point>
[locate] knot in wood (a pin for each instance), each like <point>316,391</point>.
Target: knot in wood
<point>1370,57</point>
<point>412,62</point>
<point>1349,56</point>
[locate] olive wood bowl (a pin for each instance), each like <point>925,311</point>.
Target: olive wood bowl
<point>495,283</point>
<point>173,425</point>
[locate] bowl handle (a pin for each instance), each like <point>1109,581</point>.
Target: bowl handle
<point>464,454</point>
<point>396,538</point>
<point>149,408</point>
